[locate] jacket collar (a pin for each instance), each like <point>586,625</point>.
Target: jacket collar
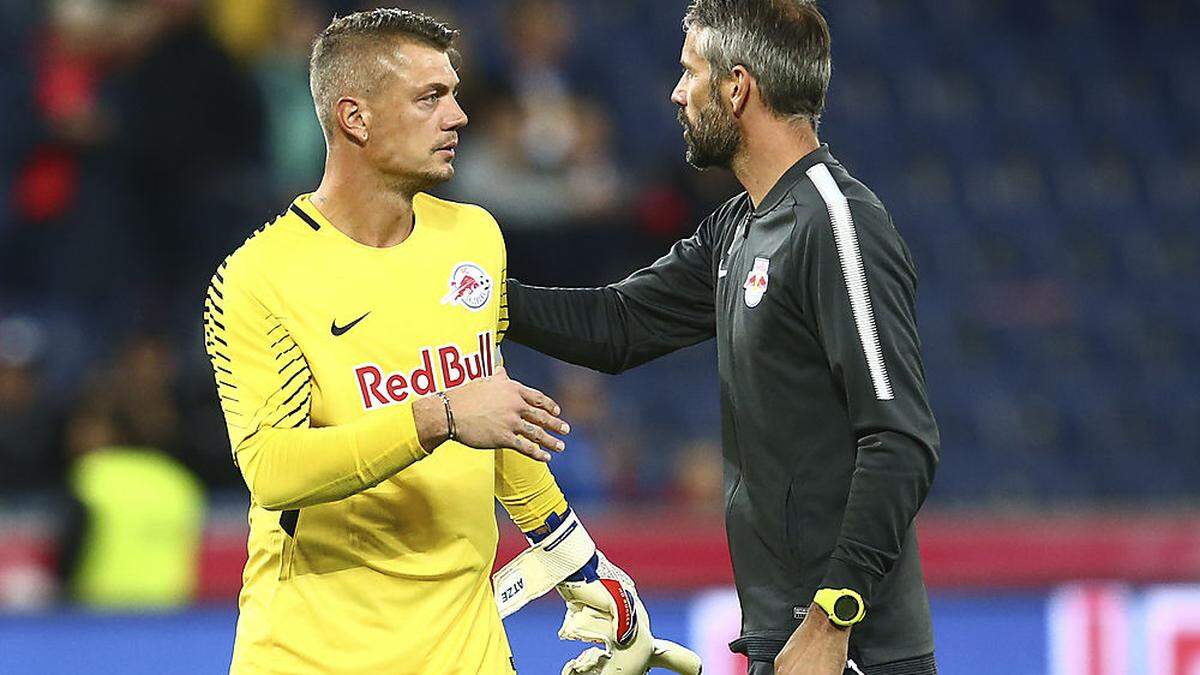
<point>792,176</point>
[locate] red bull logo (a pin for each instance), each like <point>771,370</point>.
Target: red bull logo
<point>756,282</point>
<point>441,368</point>
<point>470,287</point>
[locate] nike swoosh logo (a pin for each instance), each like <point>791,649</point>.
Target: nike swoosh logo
<point>338,331</point>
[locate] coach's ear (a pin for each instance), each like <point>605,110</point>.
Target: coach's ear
<point>743,87</point>
<point>353,119</point>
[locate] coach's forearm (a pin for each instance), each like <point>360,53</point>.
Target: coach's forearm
<point>296,468</point>
<point>584,326</point>
<point>891,479</point>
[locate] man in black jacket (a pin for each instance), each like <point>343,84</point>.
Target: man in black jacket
<point>829,443</point>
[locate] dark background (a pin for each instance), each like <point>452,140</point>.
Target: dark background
<point>1040,159</point>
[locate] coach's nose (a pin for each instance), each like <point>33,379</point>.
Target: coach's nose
<point>679,94</point>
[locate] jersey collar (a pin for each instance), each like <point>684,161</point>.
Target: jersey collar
<point>303,208</point>
<point>307,212</point>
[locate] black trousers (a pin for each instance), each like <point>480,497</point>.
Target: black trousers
<point>922,665</point>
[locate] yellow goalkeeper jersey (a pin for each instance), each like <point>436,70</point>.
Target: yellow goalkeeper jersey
<point>366,554</point>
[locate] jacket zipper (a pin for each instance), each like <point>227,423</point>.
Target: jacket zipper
<point>731,303</point>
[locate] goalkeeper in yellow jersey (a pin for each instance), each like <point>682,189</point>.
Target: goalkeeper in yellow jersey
<point>354,343</point>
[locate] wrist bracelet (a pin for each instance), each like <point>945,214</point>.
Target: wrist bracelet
<point>451,432</point>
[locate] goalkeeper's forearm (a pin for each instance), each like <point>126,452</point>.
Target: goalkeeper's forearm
<point>297,468</point>
<point>559,551</point>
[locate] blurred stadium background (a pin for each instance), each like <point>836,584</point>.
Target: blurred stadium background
<point>1041,159</point>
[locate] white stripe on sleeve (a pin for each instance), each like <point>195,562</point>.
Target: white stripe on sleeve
<point>850,255</point>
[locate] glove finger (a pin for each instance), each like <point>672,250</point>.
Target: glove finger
<point>676,657</point>
<point>589,662</point>
<point>586,625</point>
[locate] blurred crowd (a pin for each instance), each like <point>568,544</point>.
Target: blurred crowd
<point>148,137</point>
<point>1041,161</point>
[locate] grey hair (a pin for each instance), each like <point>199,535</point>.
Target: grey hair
<point>343,57</point>
<point>784,44</point>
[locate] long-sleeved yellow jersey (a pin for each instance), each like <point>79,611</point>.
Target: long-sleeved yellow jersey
<point>366,554</point>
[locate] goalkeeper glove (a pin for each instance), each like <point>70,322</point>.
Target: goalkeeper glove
<point>602,603</point>
<point>604,608</point>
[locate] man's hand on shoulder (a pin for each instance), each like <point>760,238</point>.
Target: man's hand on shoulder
<point>494,412</point>
<point>816,648</point>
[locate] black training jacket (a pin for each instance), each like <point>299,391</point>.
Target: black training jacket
<point>829,443</point>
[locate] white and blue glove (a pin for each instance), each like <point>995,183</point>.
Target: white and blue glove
<point>602,603</point>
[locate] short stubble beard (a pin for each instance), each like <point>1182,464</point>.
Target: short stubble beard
<point>412,183</point>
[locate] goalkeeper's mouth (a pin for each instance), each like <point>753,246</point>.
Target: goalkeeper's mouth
<point>448,149</point>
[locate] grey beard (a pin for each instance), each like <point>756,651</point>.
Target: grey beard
<point>714,140</point>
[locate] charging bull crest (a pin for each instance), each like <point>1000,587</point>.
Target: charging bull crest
<point>470,287</point>
<point>756,282</point>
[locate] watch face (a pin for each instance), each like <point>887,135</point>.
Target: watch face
<point>846,608</point>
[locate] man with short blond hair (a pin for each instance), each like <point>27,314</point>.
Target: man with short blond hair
<point>354,342</point>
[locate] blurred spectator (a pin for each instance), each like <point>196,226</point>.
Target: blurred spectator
<point>541,156</point>
<point>73,55</point>
<point>27,418</point>
<point>191,145</point>
<point>141,514</point>
<point>600,463</point>
<point>501,170</point>
<point>133,534</point>
<point>539,42</point>
<point>697,481</point>
<point>142,140</point>
<point>249,28</point>
<point>70,59</point>
<point>295,145</point>
<point>140,393</point>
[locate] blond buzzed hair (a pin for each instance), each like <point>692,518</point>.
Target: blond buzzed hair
<point>344,55</point>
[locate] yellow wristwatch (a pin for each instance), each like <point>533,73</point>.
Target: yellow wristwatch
<point>844,606</point>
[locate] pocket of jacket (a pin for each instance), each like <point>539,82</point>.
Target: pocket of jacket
<point>792,530</point>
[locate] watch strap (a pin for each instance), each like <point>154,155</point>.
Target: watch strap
<point>844,606</point>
